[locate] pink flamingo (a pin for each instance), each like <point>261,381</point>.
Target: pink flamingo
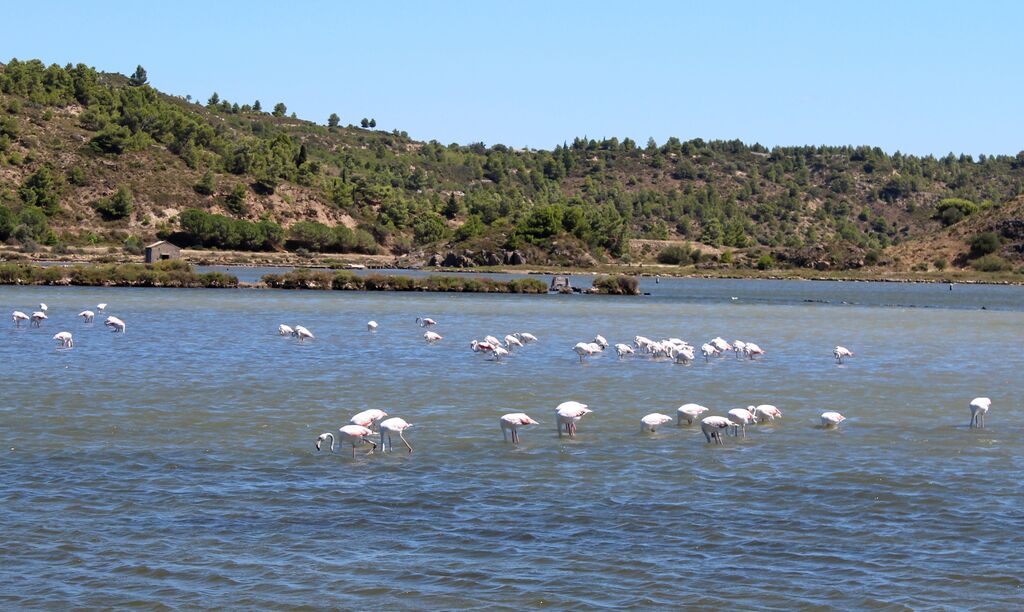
<point>512,422</point>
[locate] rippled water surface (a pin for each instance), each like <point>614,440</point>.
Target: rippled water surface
<point>175,464</point>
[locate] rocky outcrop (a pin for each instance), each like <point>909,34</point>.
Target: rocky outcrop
<point>470,259</point>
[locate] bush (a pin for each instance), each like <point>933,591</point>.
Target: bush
<point>236,201</point>
<point>133,245</point>
<point>984,244</point>
<point>991,263</point>
<point>117,206</point>
<point>617,285</point>
<point>206,185</point>
<point>765,262</point>
<point>675,255</point>
<point>952,210</point>
<point>940,264</point>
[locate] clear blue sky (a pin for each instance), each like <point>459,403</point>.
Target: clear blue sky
<point>920,77</point>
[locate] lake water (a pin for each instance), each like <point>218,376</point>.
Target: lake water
<point>175,464</point>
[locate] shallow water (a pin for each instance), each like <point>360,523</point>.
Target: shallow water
<point>175,463</point>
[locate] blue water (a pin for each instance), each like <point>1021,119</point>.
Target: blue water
<point>175,464</point>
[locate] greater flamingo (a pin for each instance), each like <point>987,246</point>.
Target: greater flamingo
<point>600,341</point>
<point>38,318</point>
<point>831,419</point>
<point>526,337</point>
<point>355,434</point>
<point>765,412</point>
<point>394,425</point>
<point>425,321</point>
<point>18,316</point>
<point>511,340</point>
<point>512,422</point>
<point>651,422</point>
<point>713,426</point>
<point>707,349</point>
<point>586,349</point>
<point>43,307</point>
<point>65,339</point>
<point>492,341</point>
<point>87,316</point>
<point>689,413</point>
<point>752,349</point>
<point>371,326</point>
<point>115,324</point>
<point>841,352</point>
<point>568,414</point>
<point>323,438</point>
<point>979,406</point>
<point>738,346</point>
<point>285,330</point>
<point>303,334</point>
<point>623,349</point>
<point>741,417</point>
<point>367,418</point>
<point>431,336</point>
<point>101,307</point>
<point>498,353</point>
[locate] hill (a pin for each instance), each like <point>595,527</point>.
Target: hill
<point>90,159</point>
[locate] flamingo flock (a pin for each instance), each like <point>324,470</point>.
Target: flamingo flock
<point>65,339</point>
<point>672,349</point>
<point>359,430</point>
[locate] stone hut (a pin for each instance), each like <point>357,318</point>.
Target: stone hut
<point>159,251</point>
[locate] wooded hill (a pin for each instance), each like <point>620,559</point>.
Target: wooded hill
<point>90,158</point>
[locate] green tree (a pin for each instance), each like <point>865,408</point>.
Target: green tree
<point>373,123</point>
<point>138,77</point>
<point>213,101</point>
<point>77,177</point>
<point>6,222</point>
<point>984,244</point>
<point>365,123</point>
<point>257,107</point>
<point>42,188</point>
<point>280,109</point>
<point>206,185</point>
<point>452,208</point>
<point>429,228</point>
<point>333,120</point>
<point>118,206</point>
<point>236,200</point>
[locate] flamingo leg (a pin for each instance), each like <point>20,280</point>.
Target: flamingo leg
<point>409,446</point>
<point>504,435</point>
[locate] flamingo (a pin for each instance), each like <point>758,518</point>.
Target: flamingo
<point>689,412</point>
<point>492,341</point>
<point>498,353</point>
<point>683,355</point>
<point>425,321</point>
<point>65,339</point>
<point>707,349</point>
<point>712,427</point>
<point>526,337</point>
<point>431,336</point>
<point>43,307</point>
<point>568,414</point>
<point>323,438</point>
<point>303,334</point>
<point>651,422</point>
<point>752,349</point>
<point>600,341</point>
<point>741,417</point>
<point>511,422</point>
<point>18,316</point>
<point>738,347</point>
<point>37,318</point>
<point>478,346</point>
<point>720,344</point>
<point>765,412</point>
<point>115,324</point>
<point>394,425</point>
<point>623,350</point>
<point>979,406</point>
<point>831,419</point>
<point>586,349</point>
<point>841,352</point>
<point>356,434</point>
<point>87,316</point>
<point>101,307</point>
<point>511,341</point>
<point>367,418</point>
<point>371,326</point>
<point>285,330</point>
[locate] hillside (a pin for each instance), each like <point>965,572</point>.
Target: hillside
<point>90,159</point>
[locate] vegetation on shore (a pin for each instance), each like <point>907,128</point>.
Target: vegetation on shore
<point>90,158</point>
<point>162,274</point>
<point>305,278</point>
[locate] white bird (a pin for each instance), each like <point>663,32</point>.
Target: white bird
<point>568,414</point>
<point>831,419</point>
<point>689,413</point>
<point>323,438</point>
<point>101,307</point>
<point>741,417</point>
<point>623,350</point>
<point>713,426</point>
<point>841,352</point>
<point>752,349</point>
<point>720,344</point>
<point>526,337</point>
<point>303,334</point>
<point>979,406</point>
<point>371,325</point>
<point>512,422</point>
<point>492,341</point>
<point>87,316</point>
<point>367,418</point>
<point>425,321</point>
<point>765,412</point>
<point>355,434</point>
<point>43,307</point>
<point>38,318</point>
<point>707,349</point>
<point>18,316</point>
<point>115,324</point>
<point>65,339</point>
<point>586,349</point>
<point>600,341</point>
<point>683,355</point>
<point>394,425</point>
<point>738,346</point>
<point>285,330</point>
<point>478,346</point>
<point>651,422</point>
<point>498,353</point>
<point>511,341</point>
<point>431,336</point>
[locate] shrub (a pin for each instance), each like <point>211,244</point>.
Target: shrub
<point>133,245</point>
<point>617,285</point>
<point>236,201</point>
<point>940,264</point>
<point>951,210</point>
<point>206,185</point>
<point>984,244</point>
<point>674,255</point>
<point>991,263</point>
<point>117,206</point>
<point>765,262</point>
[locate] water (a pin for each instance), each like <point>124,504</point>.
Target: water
<point>175,464</point>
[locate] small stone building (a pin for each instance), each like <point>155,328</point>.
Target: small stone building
<point>560,284</point>
<point>159,251</point>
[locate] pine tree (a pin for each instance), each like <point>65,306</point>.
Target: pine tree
<point>257,107</point>
<point>138,78</point>
<point>333,120</point>
<point>280,109</point>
